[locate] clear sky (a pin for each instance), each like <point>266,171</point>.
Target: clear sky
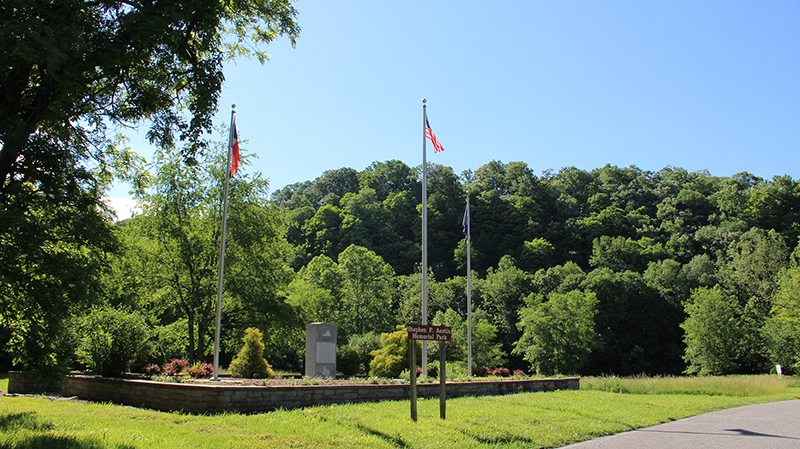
<point>701,84</point>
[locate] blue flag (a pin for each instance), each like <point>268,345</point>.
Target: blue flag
<point>465,222</point>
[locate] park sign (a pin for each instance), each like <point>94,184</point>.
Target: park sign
<point>442,334</point>
<point>429,332</point>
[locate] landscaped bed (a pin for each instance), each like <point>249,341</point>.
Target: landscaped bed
<point>265,395</point>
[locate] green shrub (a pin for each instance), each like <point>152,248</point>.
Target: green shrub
<point>354,357</point>
<point>392,357</point>
<point>250,362</point>
<point>111,340</point>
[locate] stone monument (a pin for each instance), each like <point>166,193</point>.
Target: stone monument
<point>321,350</point>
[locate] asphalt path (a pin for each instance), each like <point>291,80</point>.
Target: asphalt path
<point>775,425</point>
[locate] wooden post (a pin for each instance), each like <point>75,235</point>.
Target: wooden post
<point>413,376</point>
<point>442,380</point>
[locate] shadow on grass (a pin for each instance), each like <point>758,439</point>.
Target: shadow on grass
<point>517,440</point>
<point>27,421</point>
<point>24,420</point>
<point>394,440</point>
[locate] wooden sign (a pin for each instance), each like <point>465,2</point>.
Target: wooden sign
<point>429,332</point>
<point>442,334</point>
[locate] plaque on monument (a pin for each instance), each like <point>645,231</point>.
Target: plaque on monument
<point>321,350</point>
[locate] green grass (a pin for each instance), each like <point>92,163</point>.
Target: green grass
<point>535,420</point>
<point>702,385</point>
<point>4,382</point>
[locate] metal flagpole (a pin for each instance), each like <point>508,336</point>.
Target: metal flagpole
<point>469,290</point>
<point>424,240</point>
<point>222,244</point>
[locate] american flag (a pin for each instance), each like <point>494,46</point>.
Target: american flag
<point>437,147</point>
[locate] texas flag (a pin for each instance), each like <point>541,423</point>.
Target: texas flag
<point>233,147</point>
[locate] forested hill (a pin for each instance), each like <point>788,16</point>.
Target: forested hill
<point>637,251</point>
<point>611,217</point>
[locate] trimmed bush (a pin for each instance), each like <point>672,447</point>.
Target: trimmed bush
<point>111,340</point>
<point>250,362</point>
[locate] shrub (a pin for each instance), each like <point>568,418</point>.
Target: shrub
<point>392,357</point>
<point>175,367</point>
<point>111,340</point>
<point>501,372</point>
<point>200,370</point>
<point>354,357</point>
<point>519,372</point>
<point>250,361</point>
<point>152,369</point>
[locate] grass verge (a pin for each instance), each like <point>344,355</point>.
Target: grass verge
<point>534,420</point>
<point>741,386</point>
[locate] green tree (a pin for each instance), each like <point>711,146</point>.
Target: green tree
<point>782,328</point>
<point>558,333</point>
<point>111,340</point>
<point>486,350</point>
<point>171,254</point>
<point>367,287</point>
<point>713,333</point>
<point>74,68</point>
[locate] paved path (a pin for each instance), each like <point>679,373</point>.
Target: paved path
<point>765,426</point>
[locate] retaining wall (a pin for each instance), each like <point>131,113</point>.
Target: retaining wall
<point>202,398</point>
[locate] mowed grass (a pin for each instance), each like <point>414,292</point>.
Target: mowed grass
<point>535,420</point>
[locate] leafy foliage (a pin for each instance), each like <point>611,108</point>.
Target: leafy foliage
<point>558,334</point>
<point>393,355</point>
<point>111,340</point>
<point>250,362</point>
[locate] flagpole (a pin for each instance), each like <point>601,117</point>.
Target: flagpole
<point>424,240</point>
<point>469,291</point>
<point>222,246</point>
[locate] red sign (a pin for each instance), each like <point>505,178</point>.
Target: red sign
<point>429,332</point>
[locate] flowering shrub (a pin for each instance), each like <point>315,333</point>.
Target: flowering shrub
<point>175,367</point>
<point>152,369</point>
<point>483,371</point>
<point>200,370</point>
<point>519,372</point>
<point>501,372</point>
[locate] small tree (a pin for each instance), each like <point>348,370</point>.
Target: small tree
<point>112,340</point>
<point>392,357</point>
<point>713,332</point>
<point>250,361</point>
<point>558,334</point>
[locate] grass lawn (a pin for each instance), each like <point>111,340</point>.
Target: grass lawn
<point>522,420</point>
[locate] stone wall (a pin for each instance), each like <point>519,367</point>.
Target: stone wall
<point>201,398</point>
<point>31,383</point>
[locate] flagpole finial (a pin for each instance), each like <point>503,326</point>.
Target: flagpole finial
<point>424,101</point>
<point>233,106</point>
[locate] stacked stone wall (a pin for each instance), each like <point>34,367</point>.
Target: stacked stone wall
<point>204,398</point>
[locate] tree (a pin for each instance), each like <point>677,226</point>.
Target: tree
<point>367,286</point>
<point>74,68</point>
<point>486,350</point>
<point>782,328</point>
<point>78,64</point>
<point>558,333</point>
<point>173,251</point>
<point>111,340</point>
<point>713,334</point>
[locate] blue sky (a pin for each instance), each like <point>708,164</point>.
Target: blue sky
<point>703,85</point>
